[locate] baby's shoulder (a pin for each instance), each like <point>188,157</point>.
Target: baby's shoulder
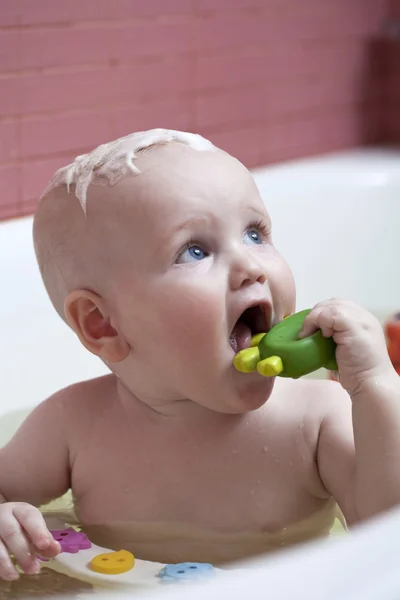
<point>317,389</point>
<point>309,391</point>
<point>322,395</point>
<point>305,402</point>
<point>81,401</point>
<point>89,389</point>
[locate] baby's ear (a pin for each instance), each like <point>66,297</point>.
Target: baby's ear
<point>86,313</point>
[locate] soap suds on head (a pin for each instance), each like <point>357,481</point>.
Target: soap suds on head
<point>109,163</point>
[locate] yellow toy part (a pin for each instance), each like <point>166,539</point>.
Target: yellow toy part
<point>113,563</point>
<point>270,367</point>
<point>246,360</point>
<point>256,339</point>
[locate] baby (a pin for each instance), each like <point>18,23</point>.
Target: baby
<point>156,249</point>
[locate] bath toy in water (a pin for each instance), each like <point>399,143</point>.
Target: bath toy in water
<point>71,541</point>
<point>113,563</point>
<point>186,571</point>
<point>281,352</point>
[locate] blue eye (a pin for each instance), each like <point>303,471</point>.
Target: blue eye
<point>192,253</point>
<point>254,236</point>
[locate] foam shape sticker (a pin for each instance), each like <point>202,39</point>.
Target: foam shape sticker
<point>113,563</point>
<point>186,571</point>
<point>71,541</point>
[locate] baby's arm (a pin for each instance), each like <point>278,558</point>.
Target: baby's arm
<point>359,439</point>
<point>34,468</point>
<point>358,450</point>
<point>34,465</point>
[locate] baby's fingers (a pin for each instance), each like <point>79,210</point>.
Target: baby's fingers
<point>330,316</point>
<point>32,522</point>
<point>7,570</point>
<point>315,321</point>
<point>13,540</point>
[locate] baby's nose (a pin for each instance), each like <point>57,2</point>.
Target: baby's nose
<point>245,271</point>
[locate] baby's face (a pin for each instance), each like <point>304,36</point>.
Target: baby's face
<point>194,251</point>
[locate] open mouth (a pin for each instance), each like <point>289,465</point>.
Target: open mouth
<point>252,321</point>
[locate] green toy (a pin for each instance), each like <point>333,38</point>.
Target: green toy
<point>281,352</point>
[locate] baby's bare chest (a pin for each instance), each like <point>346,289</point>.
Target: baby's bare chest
<point>238,478</point>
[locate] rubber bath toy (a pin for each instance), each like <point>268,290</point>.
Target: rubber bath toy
<point>281,352</point>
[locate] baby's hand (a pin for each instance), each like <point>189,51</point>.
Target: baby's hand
<point>23,533</point>
<point>361,352</point>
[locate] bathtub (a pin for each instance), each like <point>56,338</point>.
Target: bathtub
<point>336,219</point>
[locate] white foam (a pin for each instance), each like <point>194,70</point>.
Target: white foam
<point>109,163</point>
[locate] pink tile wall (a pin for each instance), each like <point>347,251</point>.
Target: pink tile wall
<point>389,83</point>
<point>268,80</point>
<point>388,51</point>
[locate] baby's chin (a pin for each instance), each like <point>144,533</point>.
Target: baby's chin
<point>251,392</point>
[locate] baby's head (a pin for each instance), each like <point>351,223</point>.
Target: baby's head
<point>152,247</point>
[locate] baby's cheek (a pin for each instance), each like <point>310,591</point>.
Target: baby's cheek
<point>282,287</point>
<point>195,319</point>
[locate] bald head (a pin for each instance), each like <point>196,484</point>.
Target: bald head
<point>60,241</point>
<point>68,237</point>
